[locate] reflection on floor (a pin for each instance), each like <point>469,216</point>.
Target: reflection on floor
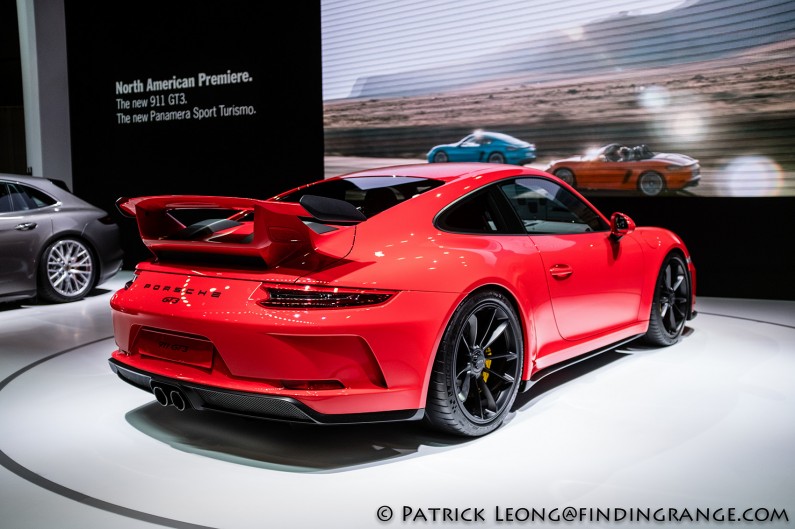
<point>706,424</point>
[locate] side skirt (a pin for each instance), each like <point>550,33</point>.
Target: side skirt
<point>538,375</point>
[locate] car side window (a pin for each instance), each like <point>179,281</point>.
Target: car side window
<point>470,141</point>
<point>5,199</point>
<point>23,198</point>
<point>39,198</point>
<point>547,208</point>
<point>476,213</point>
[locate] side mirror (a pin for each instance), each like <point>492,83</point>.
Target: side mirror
<point>620,225</point>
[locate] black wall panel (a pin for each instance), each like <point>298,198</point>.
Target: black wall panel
<point>186,97</point>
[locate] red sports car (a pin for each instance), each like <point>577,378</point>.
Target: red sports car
<point>622,168</point>
<point>433,291</point>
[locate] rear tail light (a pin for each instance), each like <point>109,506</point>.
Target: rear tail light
<point>310,297</point>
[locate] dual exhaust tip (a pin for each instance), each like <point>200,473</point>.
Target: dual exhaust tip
<point>170,397</point>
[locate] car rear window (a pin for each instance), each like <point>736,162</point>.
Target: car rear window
<point>371,194</point>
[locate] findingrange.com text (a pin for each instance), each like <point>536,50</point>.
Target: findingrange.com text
<point>537,515</point>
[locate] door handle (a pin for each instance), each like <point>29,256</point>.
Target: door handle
<point>25,226</point>
<point>561,271</point>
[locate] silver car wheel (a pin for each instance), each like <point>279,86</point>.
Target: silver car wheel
<point>651,184</point>
<point>70,268</point>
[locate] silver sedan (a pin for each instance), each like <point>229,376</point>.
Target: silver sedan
<point>52,244</point>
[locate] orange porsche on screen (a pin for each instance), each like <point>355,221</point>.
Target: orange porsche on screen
<point>622,168</point>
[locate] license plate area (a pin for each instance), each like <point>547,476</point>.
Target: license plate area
<point>190,350</point>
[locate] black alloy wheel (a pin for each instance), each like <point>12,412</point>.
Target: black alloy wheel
<point>671,305</point>
<point>478,367</point>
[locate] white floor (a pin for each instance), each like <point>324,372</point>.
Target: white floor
<point>706,424</point>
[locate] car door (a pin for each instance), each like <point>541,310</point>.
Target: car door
<point>470,149</point>
<point>594,281</point>
<point>23,232</point>
<point>606,171</point>
<point>607,174</point>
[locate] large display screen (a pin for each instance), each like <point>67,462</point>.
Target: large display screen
<point>641,97</point>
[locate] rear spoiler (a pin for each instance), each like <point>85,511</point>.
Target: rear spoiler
<point>277,231</point>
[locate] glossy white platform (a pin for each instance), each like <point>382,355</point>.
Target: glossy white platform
<point>708,423</point>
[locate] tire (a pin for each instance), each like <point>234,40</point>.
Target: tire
<point>651,184</point>
<point>671,304</point>
<point>496,157</point>
<point>478,367</point>
<point>67,271</point>
<point>440,157</point>
<point>567,175</point>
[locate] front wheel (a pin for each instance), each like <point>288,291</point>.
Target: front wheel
<point>478,367</point>
<point>567,175</point>
<point>440,157</point>
<point>671,304</point>
<point>67,271</point>
<point>651,184</point>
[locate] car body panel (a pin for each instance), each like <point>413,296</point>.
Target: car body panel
<point>25,233</point>
<point>374,358</point>
<point>22,248</point>
<point>591,274</point>
<point>482,146</point>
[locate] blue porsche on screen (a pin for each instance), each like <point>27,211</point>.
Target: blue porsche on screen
<point>480,146</point>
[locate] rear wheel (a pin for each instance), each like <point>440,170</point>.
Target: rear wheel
<point>67,271</point>
<point>671,305</point>
<point>478,367</point>
<point>567,175</point>
<point>440,157</point>
<point>496,157</point>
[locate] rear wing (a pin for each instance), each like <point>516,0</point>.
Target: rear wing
<point>237,231</point>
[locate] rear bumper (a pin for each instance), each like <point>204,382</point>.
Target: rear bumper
<point>214,334</point>
<point>287,409</point>
<point>521,158</point>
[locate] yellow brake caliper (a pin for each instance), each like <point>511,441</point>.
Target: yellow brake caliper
<point>487,363</point>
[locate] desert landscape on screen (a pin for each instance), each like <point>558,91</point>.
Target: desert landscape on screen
<point>732,111</point>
